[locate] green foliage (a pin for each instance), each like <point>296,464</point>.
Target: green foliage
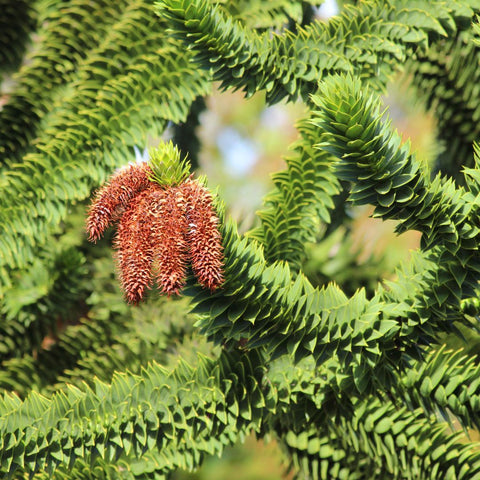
<point>447,79</point>
<point>336,257</point>
<point>302,196</point>
<point>167,166</point>
<point>290,65</point>
<point>352,378</point>
<point>16,23</point>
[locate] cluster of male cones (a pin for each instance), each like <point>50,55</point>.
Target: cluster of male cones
<point>166,220</point>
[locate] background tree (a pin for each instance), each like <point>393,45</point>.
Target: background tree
<point>352,382</point>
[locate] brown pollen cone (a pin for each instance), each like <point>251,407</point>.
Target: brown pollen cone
<point>123,187</point>
<point>169,230</point>
<point>204,239</point>
<point>134,247</point>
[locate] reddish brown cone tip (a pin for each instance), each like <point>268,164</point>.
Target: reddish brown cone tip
<point>206,251</point>
<point>134,248</point>
<point>117,193</point>
<point>169,239</point>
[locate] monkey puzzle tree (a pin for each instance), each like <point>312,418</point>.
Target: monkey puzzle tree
<point>352,386</point>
